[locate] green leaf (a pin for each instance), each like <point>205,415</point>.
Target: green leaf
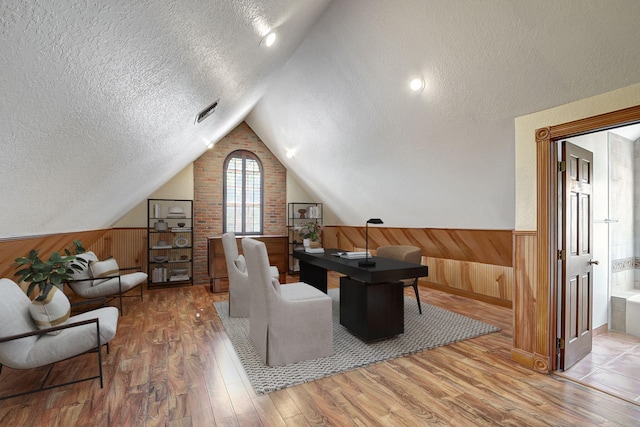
<point>40,268</point>
<point>23,272</point>
<point>30,288</point>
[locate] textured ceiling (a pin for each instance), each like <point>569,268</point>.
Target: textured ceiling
<point>98,100</point>
<point>445,157</point>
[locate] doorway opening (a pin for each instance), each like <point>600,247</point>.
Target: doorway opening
<point>547,264</point>
<point>611,366</point>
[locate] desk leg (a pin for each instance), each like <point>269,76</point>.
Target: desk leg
<point>372,311</point>
<point>313,275</point>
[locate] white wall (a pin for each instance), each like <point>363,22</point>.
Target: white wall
<point>179,187</point>
<point>297,193</point>
<point>621,196</point>
<point>525,127</point>
<point>525,154</point>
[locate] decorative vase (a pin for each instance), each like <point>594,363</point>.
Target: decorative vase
<point>302,212</point>
<point>54,310</point>
<point>161,226</point>
<point>306,243</point>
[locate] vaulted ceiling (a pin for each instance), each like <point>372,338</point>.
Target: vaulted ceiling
<point>99,99</point>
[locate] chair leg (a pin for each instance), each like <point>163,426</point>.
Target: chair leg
<point>120,294</point>
<point>415,289</point>
<point>100,364</point>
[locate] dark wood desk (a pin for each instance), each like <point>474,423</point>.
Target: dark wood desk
<point>371,298</point>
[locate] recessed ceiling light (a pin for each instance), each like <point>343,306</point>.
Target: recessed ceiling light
<point>416,84</point>
<point>269,39</point>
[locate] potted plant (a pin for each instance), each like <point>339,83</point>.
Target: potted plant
<point>309,232</point>
<point>77,249</point>
<point>46,274</point>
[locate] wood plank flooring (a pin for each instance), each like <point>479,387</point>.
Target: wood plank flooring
<point>168,367</point>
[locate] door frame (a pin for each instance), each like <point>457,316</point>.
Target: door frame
<point>547,211</point>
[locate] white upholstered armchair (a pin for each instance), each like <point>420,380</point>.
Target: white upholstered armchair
<point>105,279</point>
<point>24,346</point>
<point>239,292</point>
<point>288,323</point>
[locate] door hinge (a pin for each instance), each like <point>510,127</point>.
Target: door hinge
<point>562,166</point>
<point>559,344</point>
<point>562,255</point>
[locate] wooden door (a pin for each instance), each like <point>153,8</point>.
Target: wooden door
<point>577,277</point>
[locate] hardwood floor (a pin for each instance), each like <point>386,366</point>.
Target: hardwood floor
<point>169,367</point>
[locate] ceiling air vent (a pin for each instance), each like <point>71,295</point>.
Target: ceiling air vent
<point>207,111</point>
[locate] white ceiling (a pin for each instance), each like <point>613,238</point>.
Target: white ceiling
<point>632,132</point>
<point>98,101</point>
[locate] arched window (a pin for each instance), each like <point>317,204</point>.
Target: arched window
<point>243,194</point>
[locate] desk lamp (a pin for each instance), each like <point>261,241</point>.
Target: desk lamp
<point>368,262</point>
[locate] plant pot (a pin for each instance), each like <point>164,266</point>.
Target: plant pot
<point>54,310</point>
<point>306,243</point>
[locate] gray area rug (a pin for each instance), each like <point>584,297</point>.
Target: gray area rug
<point>434,328</point>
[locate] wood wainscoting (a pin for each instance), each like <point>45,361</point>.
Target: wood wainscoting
<point>472,263</point>
<point>527,348</point>
<point>126,245</point>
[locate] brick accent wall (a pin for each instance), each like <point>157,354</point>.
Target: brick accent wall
<point>208,184</point>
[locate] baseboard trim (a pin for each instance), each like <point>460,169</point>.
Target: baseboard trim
<point>472,295</point>
<point>601,329</point>
<point>522,357</point>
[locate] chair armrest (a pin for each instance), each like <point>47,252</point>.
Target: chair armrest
<point>91,279</point>
<point>52,329</point>
<point>80,280</point>
<point>101,300</point>
<point>131,268</point>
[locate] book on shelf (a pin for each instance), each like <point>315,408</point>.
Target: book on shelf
<point>159,274</point>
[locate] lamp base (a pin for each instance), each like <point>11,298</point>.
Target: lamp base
<point>367,263</point>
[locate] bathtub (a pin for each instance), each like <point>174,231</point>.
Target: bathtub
<point>633,315</point>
